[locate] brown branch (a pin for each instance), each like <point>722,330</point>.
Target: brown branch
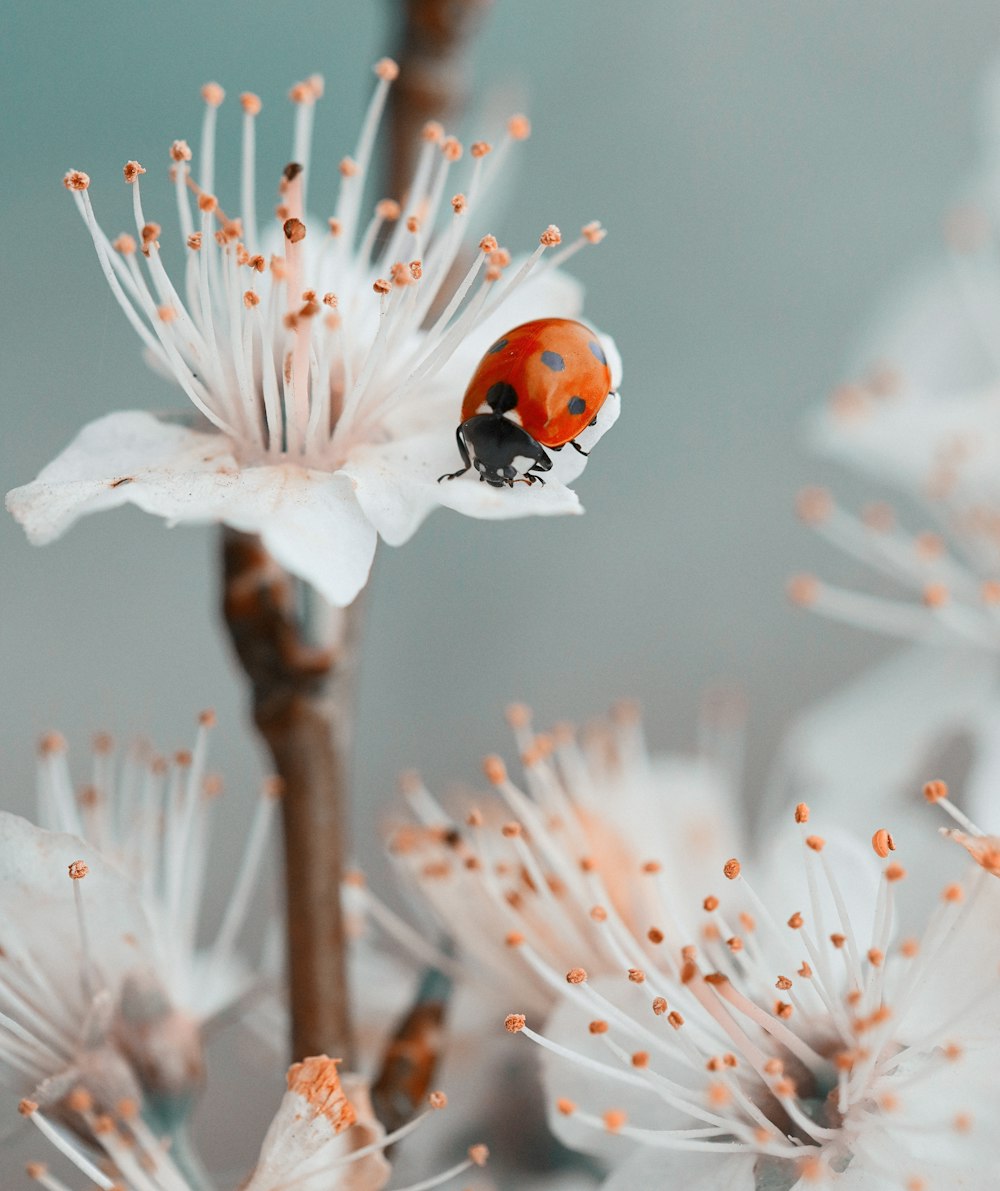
<point>433,84</point>
<point>433,81</point>
<point>303,689</point>
<point>303,706</point>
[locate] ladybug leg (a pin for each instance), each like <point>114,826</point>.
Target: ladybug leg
<point>531,476</point>
<point>576,446</point>
<point>463,450</point>
<point>542,463</point>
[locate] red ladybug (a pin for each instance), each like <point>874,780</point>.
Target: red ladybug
<point>538,386</point>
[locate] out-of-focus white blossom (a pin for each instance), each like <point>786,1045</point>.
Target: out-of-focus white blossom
<point>923,419</point>
<point>324,1137</point>
<point>105,973</point>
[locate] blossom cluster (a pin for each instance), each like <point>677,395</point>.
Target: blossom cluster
<point>773,1009</point>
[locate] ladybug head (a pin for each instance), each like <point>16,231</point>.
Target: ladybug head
<point>502,452</point>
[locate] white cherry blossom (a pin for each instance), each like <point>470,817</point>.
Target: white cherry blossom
<point>922,420</point>
<point>110,976</point>
<point>325,363</point>
<point>532,863</point>
<point>794,1041</point>
<point>711,1022</point>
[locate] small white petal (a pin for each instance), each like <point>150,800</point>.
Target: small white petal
<point>37,895</point>
<point>905,438</point>
<point>614,358</point>
<point>319,532</point>
<point>871,740</point>
<point>924,329</point>
<point>467,495</point>
<point>128,457</point>
<point>319,1123</point>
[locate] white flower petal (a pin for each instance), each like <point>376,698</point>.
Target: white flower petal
<point>870,742</point>
<point>396,483</point>
<point>595,1092</point>
<point>981,790</point>
<point>128,457</point>
<point>319,1123</point>
<point>925,331</point>
<point>70,980</point>
<point>785,887</point>
<point>614,359</point>
<point>310,520</point>
<point>38,899</point>
<point>668,1170</point>
<point>320,533</point>
<point>693,815</point>
<point>474,499</point>
<point>906,438</point>
<point>860,757</point>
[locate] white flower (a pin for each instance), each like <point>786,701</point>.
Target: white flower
<point>874,741</point>
<point>601,889</point>
<point>477,863</point>
<point>533,866</point>
<point>118,965</point>
<point>58,990</point>
<point>327,363</point>
<point>98,1051</point>
<point>925,419</point>
<point>793,1042</point>
<point>931,352</point>
<point>324,1137</point>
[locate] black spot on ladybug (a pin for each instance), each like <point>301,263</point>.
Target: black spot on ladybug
<point>501,397</point>
<point>597,351</point>
<point>498,346</point>
<point>576,405</point>
<point>554,361</point>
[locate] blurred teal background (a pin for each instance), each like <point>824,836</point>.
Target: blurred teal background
<point>767,170</point>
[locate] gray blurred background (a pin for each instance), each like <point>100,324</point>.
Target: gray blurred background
<point>767,170</point>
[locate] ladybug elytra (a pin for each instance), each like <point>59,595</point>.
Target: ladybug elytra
<point>539,386</point>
